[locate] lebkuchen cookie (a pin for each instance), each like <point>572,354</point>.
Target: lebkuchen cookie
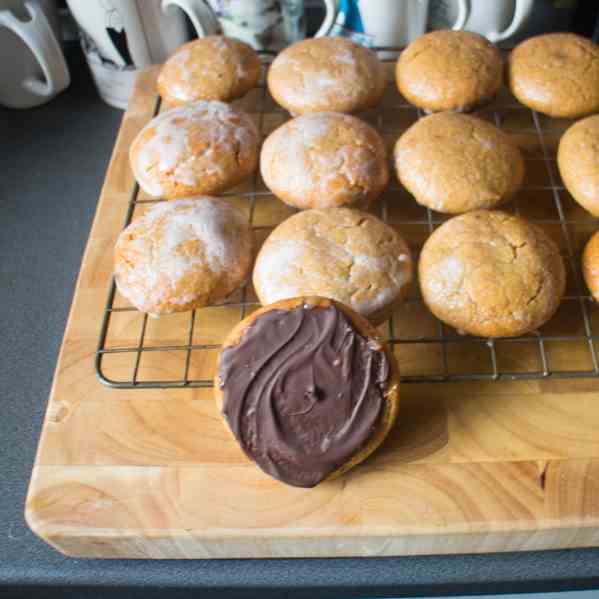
<point>323,160</point>
<point>556,74</point>
<point>454,163</point>
<point>200,148</point>
<point>307,389</point>
<point>182,255</point>
<point>449,70</point>
<point>491,274</point>
<point>209,68</point>
<point>346,255</point>
<point>326,74</point>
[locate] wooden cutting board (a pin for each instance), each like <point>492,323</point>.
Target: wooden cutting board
<point>152,473</point>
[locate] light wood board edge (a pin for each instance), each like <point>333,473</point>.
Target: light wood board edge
<point>577,527</point>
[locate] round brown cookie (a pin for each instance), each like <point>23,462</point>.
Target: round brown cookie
<point>209,68</point>
<point>307,388</point>
<point>491,274</point>
<point>203,147</point>
<point>326,74</point>
<point>183,255</point>
<point>325,159</point>
<point>454,163</point>
<point>556,74</point>
<point>590,265</point>
<point>449,70</point>
<point>578,162</point>
<point>346,255</point>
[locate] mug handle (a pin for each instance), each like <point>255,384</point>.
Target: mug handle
<point>40,39</point>
<point>200,14</point>
<point>329,18</point>
<point>463,14</point>
<point>521,13</point>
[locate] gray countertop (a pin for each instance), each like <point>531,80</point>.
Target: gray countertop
<point>52,163</point>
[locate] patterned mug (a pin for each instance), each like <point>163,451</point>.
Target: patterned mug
<point>264,24</point>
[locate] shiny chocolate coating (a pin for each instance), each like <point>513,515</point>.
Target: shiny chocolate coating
<point>303,392</point>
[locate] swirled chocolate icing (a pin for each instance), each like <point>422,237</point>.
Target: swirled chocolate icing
<point>303,392</point>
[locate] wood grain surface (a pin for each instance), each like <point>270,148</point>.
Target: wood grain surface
<point>153,473</point>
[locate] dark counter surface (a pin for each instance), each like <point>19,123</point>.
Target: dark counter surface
<point>52,164</point>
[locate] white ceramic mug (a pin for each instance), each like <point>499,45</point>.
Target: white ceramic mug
<point>120,37</point>
<point>384,23</point>
<point>497,20</point>
<point>268,25</point>
<point>32,66</point>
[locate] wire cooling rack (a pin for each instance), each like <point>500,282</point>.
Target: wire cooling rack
<point>180,350</point>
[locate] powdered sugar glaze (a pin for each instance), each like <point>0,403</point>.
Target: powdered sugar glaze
<point>325,153</point>
<point>165,151</point>
<point>176,240</point>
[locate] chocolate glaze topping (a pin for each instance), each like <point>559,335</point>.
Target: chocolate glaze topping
<point>303,392</point>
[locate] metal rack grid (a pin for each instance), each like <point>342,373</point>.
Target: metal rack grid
<point>434,352</point>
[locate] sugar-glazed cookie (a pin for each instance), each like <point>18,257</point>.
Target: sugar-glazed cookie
<point>203,147</point>
<point>326,74</point>
<point>183,255</point>
<point>209,68</point>
<point>346,255</point>
<point>325,159</point>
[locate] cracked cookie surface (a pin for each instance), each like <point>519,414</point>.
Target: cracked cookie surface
<point>326,74</point>
<point>343,254</point>
<point>556,74</point>
<point>322,160</point>
<point>578,162</point>
<point>449,70</point>
<point>209,68</point>
<point>202,147</point>
<point>491,274</point>
<point>183,255</point>
<point>454,163</point>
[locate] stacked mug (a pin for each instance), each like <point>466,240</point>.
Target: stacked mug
<point>32,67</point>
<point>120,37</point>
<point>384,23</point>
